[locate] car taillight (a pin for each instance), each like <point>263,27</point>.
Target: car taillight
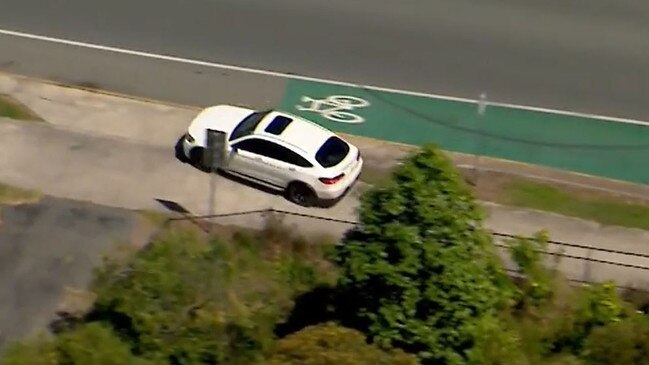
<point>331,181</point>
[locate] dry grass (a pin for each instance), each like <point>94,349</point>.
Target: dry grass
<point>10,195</point>
<point>13,109</point>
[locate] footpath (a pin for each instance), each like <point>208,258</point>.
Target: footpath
<point>119,151</point>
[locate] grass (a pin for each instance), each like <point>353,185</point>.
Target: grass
<point>604,208</point>
<point>10,195</point>
<point>154,217</point>
<point>11,108</point>
<point>599,207</point>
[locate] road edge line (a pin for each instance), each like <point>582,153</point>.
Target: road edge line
<point>311,79</point>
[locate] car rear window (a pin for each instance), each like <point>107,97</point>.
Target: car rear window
<point>332,152</point>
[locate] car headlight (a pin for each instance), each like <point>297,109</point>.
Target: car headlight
<point>189,138</point>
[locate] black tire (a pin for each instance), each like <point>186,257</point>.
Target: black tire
<point>300,194</point>
<point>196,158</point>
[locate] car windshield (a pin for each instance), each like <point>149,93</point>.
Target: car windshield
<point>332,152</point>
<point>248,125</point>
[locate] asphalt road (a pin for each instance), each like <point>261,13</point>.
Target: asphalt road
<point>587,56</point>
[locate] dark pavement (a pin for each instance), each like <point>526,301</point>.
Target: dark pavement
<point>585,56</point>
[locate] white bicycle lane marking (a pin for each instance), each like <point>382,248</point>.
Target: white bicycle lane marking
<point>335,107</point>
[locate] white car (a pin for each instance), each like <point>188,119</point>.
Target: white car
<point>278,150</point>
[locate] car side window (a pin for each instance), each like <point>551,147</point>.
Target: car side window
<point>284,154</point>
<point>253,145</point>
<point>273,150</point>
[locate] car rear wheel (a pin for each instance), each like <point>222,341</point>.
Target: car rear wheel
<point>300,194</point>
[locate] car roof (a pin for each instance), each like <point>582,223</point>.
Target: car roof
<point>293,130</point>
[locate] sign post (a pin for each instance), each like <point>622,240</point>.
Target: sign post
<point>214,158</point>
<point>482,107</point>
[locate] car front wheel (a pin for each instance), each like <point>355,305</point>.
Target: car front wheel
<point>196,158</point>
<point>300,194</point>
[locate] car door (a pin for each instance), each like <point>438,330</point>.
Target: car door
<point>249,159</point>
<point>285,165</point>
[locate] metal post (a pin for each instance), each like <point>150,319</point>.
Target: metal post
<point>482,106</point>
<point>214,158</point>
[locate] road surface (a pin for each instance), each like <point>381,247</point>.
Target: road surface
<point>585,56</point>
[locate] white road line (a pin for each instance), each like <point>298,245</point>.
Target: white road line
<point>304,78</point>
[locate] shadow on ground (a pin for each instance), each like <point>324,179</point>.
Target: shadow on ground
<point>47,247</point>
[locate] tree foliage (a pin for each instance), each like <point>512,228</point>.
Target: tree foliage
<point>538,283</point>
<point>624,342</point>
<point>330,344</point>
<point>93,343</point>
<point>496,344</point>
<point>419,271</point>
<point>185,301</point>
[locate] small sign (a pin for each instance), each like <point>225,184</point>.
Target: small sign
<point>215,153</point>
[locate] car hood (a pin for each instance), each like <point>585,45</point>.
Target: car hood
<point>221,118</point>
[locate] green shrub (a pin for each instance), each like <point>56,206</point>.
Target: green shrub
<point>595,305</point>
<point>93,344</point>
<point>563,359</point>
<point>420,272</point>
<point>329,344</point>
<point>40,350</point>
<point>495,344</point>
<point>537,285</point>
<point>187,301</point>
<point>620,343</point>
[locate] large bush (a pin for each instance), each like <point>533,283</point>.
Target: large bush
<point>624,342</point>
<point>420,272</point>
<point>330,344</point>
<point>556,320</point>
<point>187,301</point>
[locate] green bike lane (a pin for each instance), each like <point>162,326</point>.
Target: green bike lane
<point>590,146</point>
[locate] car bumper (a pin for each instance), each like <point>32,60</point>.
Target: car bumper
<point>338,191</point>
<point>187,146</point>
